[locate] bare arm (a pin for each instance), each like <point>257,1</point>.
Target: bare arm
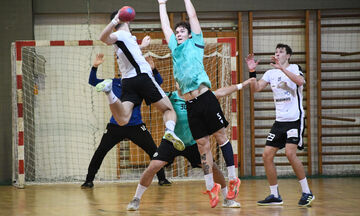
<point>164,19</point>
<point>106,35</point>
<point>297,79</point>
<point>221,92</point>
<point>193,19</point>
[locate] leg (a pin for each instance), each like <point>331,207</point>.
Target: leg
<point>219,178</point>
<point>290,151</point>
<point>108,141</point>
<point>142,138</point>
<point>228,154</point>
<point>268,157</point>
<point>121,111</point>
<point>145,181</point>
<point>307,197</point>
<point>169,117</point>
<point>270,169</point>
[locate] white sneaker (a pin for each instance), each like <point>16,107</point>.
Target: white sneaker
<point>176,141</point>
<point>230,204</point>
<point>134,204</point>
<point>104,86</point>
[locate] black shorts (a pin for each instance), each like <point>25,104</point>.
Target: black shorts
<point>166,152</point>
<point>286,132</point>
<point>205,115</point>
<point>142,86</point>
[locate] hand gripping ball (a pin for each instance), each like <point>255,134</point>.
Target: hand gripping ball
<point>127,14</point>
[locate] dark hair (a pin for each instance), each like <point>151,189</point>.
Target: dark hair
<point>184,25</point>
<point>113,14</point>
<point>287,48</point>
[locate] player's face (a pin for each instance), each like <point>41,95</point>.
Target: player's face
<point>182,34</point>
<point>280,53</point>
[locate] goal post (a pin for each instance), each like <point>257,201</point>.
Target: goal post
<point>59,119</point>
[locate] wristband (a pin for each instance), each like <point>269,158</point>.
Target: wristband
<point>114,22</point>
<point>239,86</point>
<point>162,3</point>
<point>155,71</point>
<point>252,74</point>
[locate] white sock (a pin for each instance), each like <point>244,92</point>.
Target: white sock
<point>111,97</point>
<point>224,192</point>
<point>274,190</point>
<point>170,125</point>
<point>209,181</point>
<point>231,172</point>
<point>304,186</point>
<point>139,191</point>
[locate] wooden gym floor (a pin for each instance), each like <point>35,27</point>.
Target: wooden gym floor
<point>334,196</point>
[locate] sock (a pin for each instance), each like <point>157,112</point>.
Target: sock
<point>170,125</point>
<point>111,97</point>
<point>274,190</point>
<point>209,181</point>
<point>139,191</point>
<point>228,155</point>
<point>231,172</point>
<point>304,186</point>
<point>224,192</point>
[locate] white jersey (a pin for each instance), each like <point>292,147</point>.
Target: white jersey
<point>129,56</point>
<point>287,95</point>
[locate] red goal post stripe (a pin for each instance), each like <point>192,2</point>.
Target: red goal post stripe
<point>19,92</point>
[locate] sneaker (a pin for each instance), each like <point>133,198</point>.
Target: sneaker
<point>104,86</point>
<point>164,182</point>
<point>270,200</point>
<point>230,204</point>
<point>87,185</point>
<point>134,204</point>
<point>306,199</point>
<point>233,189</point>
<point>214,195</point>
<point>176,141</point>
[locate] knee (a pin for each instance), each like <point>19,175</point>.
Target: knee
<point>290,154</point>
<point>267,156</point>
<point>203,147</point>
<point>154,166</point>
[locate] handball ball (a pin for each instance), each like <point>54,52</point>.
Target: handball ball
<point>127,14</point>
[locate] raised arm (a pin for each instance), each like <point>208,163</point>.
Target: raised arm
<point>297,79</point>
<point>193,19</point>
<point>164,19</point>
<point>256,86</point>
<point>221,92</point>
<point>93,80</point>
<point>106,35</point>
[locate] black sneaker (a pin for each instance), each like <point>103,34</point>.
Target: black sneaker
<point>306,199</point>
<point>164,182</point>
<point>87,185</point>
<point>270,200</point>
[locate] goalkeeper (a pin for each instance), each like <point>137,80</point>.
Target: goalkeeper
<point>135,130</point>
<point>166,153</point>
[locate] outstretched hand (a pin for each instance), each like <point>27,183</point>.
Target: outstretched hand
<point>145,41</point>
<point>276,63</point>
<point>250,61</point>
<point>99,59</point>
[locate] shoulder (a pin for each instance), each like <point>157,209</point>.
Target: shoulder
<point>296,69</point>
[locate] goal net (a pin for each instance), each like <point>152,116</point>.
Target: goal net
<point>59,118</point>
